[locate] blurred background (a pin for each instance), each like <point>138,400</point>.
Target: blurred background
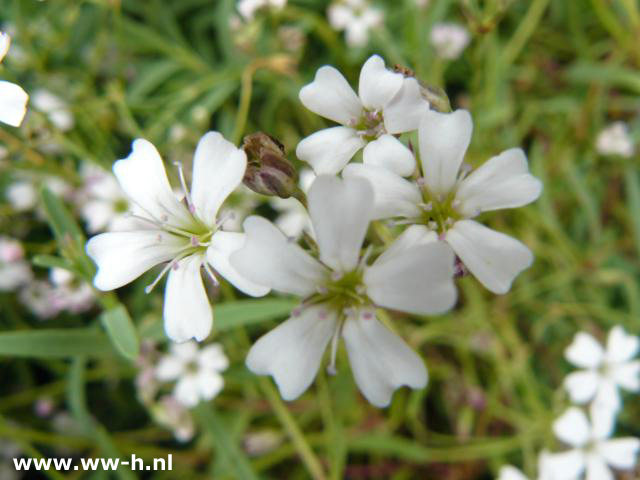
<point>561,79</point>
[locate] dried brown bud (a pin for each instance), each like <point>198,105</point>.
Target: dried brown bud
<point>268,170</point>
<point>436,96</point>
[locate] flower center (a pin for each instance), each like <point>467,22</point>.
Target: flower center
<point>370,125</point>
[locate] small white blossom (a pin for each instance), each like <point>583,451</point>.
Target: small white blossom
<point>341,292</point>
<point>509,472</point>
<point>15,271</point>
<point>593,453</point>
<point>13,99</point>
<point>356,18</point>
<point>449,195</point>
<point>449,40</point>
<point>22,195</point>
<point>54,108</point>
<point>387,104</point>
<point>37,296</point>
<point>248,8</point>
<point>603,371</point>
<point>615,140</point>
<point>169,412</point>
<point>69,293</point>
<point>196,372</point>
<point>186,234</point>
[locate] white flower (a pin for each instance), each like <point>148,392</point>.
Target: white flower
<point>387,103</point>
<point>196,372</point>
<point>22,195</point>
<point>188,236</point>
<point>593,452</point>
<point>615,140</point>
<point>449,40</point>
<point>294,219</point>
<point>54,108</point>
<point>168,411</point>
<point>248,8</point>
<point>340,292</point>
<point>37,296</point>
<point>511,473</point>
<point>68,293</point>
<point>13,99</point>
<point>356,18</point>
<point>447,196</point>
<point>15,271</point>
<point>603,371</point>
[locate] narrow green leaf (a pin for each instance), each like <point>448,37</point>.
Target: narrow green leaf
<point>50,261</point>
<point>62,222</point>
<point>121,331</point>
<point>54,343</point>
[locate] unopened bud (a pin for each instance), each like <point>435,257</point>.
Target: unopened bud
<point>436,96</point>
<point>268,170</point>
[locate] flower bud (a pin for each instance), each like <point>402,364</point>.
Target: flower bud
<point>436,96</point>
<point>268,170</point>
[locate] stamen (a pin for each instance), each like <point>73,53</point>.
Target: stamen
<point>183,182</point>
<point>331,368</point>
<point>335,276</point>
<point>227,215</point>
<point>213,278</point>
<point>365,257</point>
<point>427,207</point>
<point>172,264</point>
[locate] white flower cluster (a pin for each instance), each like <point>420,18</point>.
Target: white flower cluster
<point>13,99</point>
<point>592,453</point>
<point>342,278</point>
<point>356,18</point>
<point>615,140</point>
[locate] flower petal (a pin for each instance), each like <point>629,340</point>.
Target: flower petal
<point>406,108</point>
<point>218,168</point>
<point>5,42</point>
<point>143,178</point>
<point>269,258</point>
<point>329,150</point>
<point>223,245</point>
<point>597,469</point>
<point>627,375</point>
<point>620,452</point>
<point>511,473</point>
<point>377,85</point>
<point>572,427</point>
<point>501,182</point>
<point>187,311</point>
<point>13,103</point>
<point>607,396</point>
<point>417,280</point>
<point>603,419</point>
<point>212,357</point>
<point>340,213</point>
<point>169,368</point>
<point>584,351</point>
<point>621,346</point>
<point>331,96</point>
<point>187,391</point>
<point>380,360</point>
<point>393,196</point>
<point>209,384</point>
<point>444,138</point>
<point>122,257</point>
<point>567,465</point>
<point>413,236</point>
<point>389,152</point>
<point>292,351</point>
<point>494,258</point>
<point>582,385</point>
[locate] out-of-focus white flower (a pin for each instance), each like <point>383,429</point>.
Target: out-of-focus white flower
<point>186,234</point>
<point>449,40</point>
<point>55,108</point>
<point>449,195</point>
<point>70,294</point>
<point>248,8</point>
<point>13,99</point>
<point>22,195</point>
<point>196,372</point>
<point>263,442</point>
<point>175,416</point>
<point>422,3</point>
<point>44,406</point>
<point>356,18</point>
<point>603,371</point>
<point>511,473</point>
<point>594,453</point>
<point>341,293</point>
<point>615,140</point>
<point>15,271</point>
<point>37,296</point>
<point>387,104</point>
<point>293,218</point>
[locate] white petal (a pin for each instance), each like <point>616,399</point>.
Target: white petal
<point>389,152</point>
<point>122,257</point>
<point>608,395</point>
<point>413,236</point>
<point>340,213</point>
<point>329,150</point>
<point>357,33</point>
<point>223,244</point>
<point>5,42</point>
<point>187,391</point>
<point>218,168</point>
<point>331,96</point>
<point>565,466</point>
<point>377,85</point>
<point>212,357</point>
<point>501,182</point>
<point>444,138</point>
<point>597,469</point>
<point>621,346</point>
<point>572,427</point>
<point>380,360</point>
<point>13,103</point>
<point>292,351</point>
<point>603,419</point>
<point>209,384</point>
<point>269,258</point>
<point>340,16</point>
<point>582,385</point>
<point>169,368</point>
<point>418,280</point>
<point>394,196</point>
<point>627,375</point>
<point>187,351</point>
<point>584,351</point>
<point>511,473</point>
<point>494,258</point>
<point>187,312</point>
<point>620,452</point>
<point>143,178</point>
<point>406,108</point>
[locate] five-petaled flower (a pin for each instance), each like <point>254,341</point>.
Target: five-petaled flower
<point>13,99</point>
<point>185,234</point>
<point>340,292</point>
